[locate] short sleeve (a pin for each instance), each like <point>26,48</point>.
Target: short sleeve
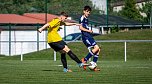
<point>54,22</point>
<point>62,23</point>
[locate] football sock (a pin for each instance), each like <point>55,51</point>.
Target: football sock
<point>95,58</point>
<point>63,60</point>
<point>73,56</point>
<point>88,56</point>
<point>90,51</point>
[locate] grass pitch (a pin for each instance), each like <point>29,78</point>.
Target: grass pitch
<point>39,67</point>
<point>49,72</point>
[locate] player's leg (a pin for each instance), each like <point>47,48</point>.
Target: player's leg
<point>72,55</point>
<point>96,54</point>
<point>95,49</point>
<point>85,59</point>
<point>63,46</point>
<point>64,62</point>
<point>90,43</point>
<point>57,46</point>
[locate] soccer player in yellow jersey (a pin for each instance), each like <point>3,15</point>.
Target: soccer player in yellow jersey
<point>55,41</point>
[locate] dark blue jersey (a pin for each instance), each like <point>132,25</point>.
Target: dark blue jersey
<point>84,22</point>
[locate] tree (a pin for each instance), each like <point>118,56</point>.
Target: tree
<point>130,11</point>
<point>147,9</point>
<point>38,6</point>
<point>69,6</point>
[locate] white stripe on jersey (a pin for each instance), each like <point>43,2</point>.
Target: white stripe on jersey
<point>88,42</point>
<point>82,18</point>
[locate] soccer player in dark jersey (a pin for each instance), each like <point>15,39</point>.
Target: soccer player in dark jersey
<point>87,38</point>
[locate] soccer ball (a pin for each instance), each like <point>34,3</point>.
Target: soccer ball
<point>92,65</point>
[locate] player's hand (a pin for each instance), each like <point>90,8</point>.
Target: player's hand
<point>90,31</point>
<point>39,30</point>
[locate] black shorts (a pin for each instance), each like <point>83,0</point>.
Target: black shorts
<point>57,46</point>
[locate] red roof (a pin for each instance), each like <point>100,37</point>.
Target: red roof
<point>28,18</point>
<point>14,18</point>
<point>40,16</point>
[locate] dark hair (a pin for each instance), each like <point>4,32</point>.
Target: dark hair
<point>64,14</point>
<point>87,8</point>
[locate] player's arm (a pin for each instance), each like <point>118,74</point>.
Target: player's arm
<point>43,27</point>
<point>70,24</point>
<point>84,29</point>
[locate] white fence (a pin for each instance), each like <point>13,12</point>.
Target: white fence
<point>43,42</point>
<point>124,41</point>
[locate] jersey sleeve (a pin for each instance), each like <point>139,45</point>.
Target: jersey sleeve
<point>81,21</point>
<point>62,23</point>
<point>54,23</point>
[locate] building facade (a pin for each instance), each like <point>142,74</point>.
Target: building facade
<point>117,6</point>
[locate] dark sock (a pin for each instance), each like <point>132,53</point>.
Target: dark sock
<point>95,58</point>
<point>63,60</point>
<point>88,56</point>
<point>73,56</point>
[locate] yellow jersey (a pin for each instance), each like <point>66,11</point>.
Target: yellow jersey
<point>53,35</point>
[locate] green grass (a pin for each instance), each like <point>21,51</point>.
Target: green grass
<point>142,34</point>
<point>39,67</point>
<point>47,72</point>
<point>109,51</point>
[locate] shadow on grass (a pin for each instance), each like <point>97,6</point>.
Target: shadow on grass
<point>51,70</point>
<point>48,70</point>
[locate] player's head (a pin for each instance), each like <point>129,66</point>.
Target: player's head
<point>63,16</point>
<point>87,10</point>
